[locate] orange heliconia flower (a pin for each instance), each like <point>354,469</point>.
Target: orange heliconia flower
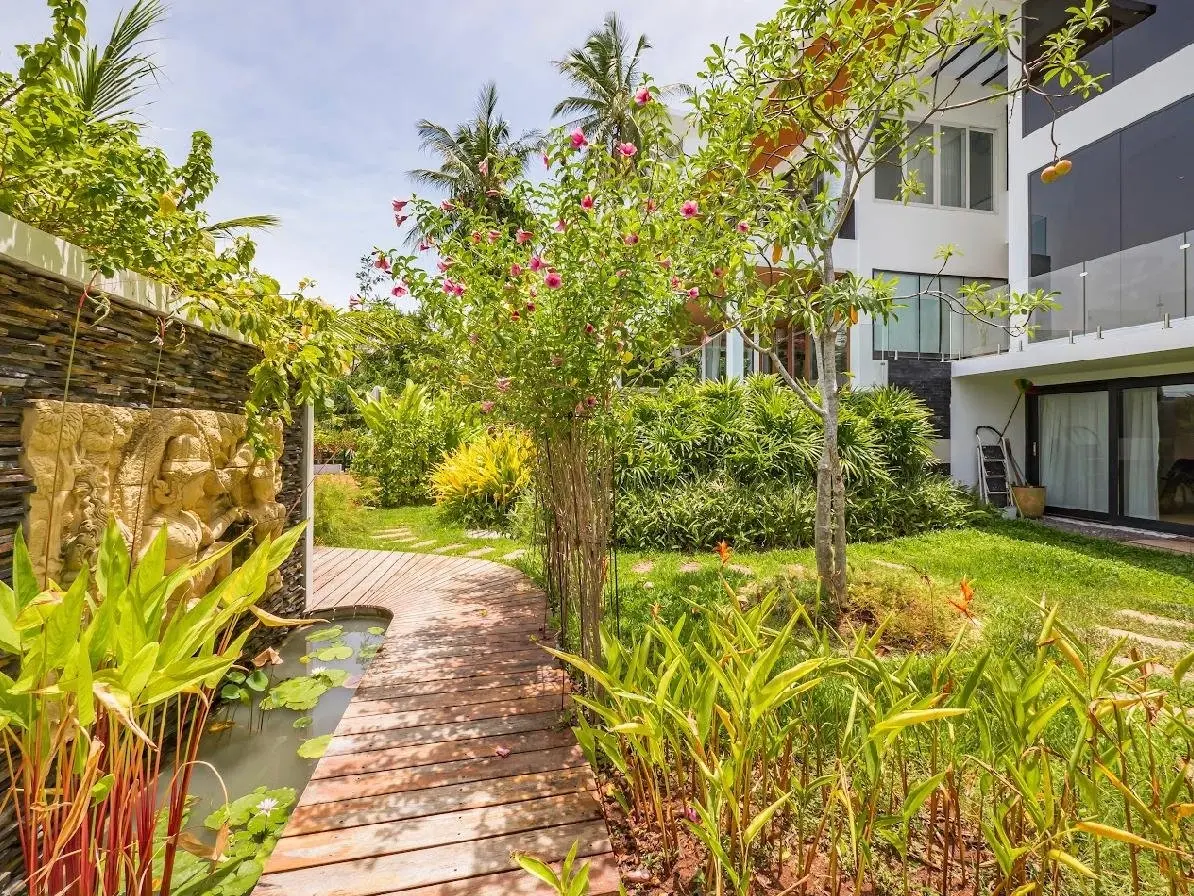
<point>963,601</point>
<point>723,551</point>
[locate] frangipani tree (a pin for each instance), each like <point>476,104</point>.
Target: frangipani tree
<point>544,320</point>
<point>810,104</point>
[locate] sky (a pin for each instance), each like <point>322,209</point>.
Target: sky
<point>312,104</point>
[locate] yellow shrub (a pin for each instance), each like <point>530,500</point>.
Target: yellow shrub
<point>479,482</point>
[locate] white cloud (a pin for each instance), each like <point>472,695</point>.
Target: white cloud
<point>312,104</point>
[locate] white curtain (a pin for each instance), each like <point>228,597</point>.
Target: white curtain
<point>1074,456</point>
<point>1142,453</point>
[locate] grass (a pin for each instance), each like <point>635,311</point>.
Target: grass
<point>1013,566</point>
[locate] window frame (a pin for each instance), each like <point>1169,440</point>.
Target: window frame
<point>888,354</point>
<point>935,186</point>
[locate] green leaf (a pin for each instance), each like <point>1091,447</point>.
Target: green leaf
<point>333,652</point>
<point>315,747</point>
<point>24,581</point>
<point>112,566</point>
<point>332,633</point>
<point>257,681</point>
<point>303,722</point>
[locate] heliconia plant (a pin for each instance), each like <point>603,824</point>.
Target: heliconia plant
<point>583,286</point>
<point>780,749</point>
<point>113,681</point>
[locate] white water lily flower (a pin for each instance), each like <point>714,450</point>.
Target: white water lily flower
<point>267,805</point>
<point>319,670</point>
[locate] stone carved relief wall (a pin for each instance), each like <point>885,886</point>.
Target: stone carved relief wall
<point>192,472</point>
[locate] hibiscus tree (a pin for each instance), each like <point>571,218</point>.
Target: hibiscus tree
<point>546,319</point>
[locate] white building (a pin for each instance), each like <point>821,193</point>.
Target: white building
<point>1108,427</point>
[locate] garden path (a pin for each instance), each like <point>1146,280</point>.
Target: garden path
<point>453,753</point>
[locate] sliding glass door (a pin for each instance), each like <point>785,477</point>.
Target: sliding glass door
<point>1074,450</point>
<point>1158,461</point>
<point>1120,450</point>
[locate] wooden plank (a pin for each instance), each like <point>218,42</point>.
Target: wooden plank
<point>442,774</point>
<point>325,847</point>
<point>439,864</point>
<point>464,686</point>
<point>398,807</point>
<point>444,751</point>
<point>450,697</point>
<point>434,734</point>
<point>423,717</point>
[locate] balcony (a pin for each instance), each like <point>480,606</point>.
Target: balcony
<point>1146,284</point>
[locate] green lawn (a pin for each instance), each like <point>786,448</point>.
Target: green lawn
<point>1012,565</point>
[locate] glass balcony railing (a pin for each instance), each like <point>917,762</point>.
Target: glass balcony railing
<point>1142,285</point>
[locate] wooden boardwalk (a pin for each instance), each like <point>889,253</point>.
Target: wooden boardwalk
<point>417,793</point>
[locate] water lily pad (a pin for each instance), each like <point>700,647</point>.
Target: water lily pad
<point>333,652</point>
<point>334,677</point>
<point>368,652</point>
<point>304,722</point>
<point>326,634</point>
<point>297,693</point>
<point>315,747</point>
<point>376,630</point>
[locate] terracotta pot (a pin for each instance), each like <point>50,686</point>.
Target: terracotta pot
<point>1030,501</point>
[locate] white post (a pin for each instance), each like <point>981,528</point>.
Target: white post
<point>309,502</point>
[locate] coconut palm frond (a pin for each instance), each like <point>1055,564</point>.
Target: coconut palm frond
<point>245,222</point>
<point>109,81</point>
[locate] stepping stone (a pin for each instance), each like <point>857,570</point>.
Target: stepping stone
<point>740,569</point>
<point>484,534</point>
<point>515,555</point>
<point>423,544</point>
<point>1150,619</point>
<point>1114,634</point>
<point>449,547</point>
<point>690,567</point>
<point>389,533</point>
<point>643,567</point>
<point>479,552</point>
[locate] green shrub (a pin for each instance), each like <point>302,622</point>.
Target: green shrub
<point>338,501</point>
<point>408,435</point>
<point>701,463</point>
<point>480,482</point>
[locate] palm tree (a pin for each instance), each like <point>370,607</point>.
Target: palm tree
<point>478,158</point>
<point>109,81</point>
<point>606,72</point>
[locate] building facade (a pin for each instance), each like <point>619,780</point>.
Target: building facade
<point>1107,426</point>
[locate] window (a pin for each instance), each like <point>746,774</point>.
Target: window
<point>1141,33</point>
<point>959,174</point>
<point>928,325</point>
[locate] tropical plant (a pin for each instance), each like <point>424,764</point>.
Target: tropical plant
<point>787,751</point>
<point>408,434</point>
<point>73,165</point>
<point>477,159</point>
<point>339,499</point>
<point>737,462</point>
<point>544,319</point>
<point>792,121</point>
<point>109,81</point>
<point>607,74</point>
<point>104,670</point>
<point>572,879</point>
<point>479,483</point>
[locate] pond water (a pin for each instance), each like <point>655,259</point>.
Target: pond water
<point>253,747</point>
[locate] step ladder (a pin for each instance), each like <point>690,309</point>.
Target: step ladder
<point>994,469</point>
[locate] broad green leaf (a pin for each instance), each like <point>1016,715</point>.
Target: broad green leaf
<point>315,747</point>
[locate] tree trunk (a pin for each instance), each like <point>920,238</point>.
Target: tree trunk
<point>574,486</point>
<point>830,527</point>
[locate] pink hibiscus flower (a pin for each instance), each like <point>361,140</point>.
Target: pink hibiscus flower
<point>690,209</point>
<point>627,149</point>
<point>553,280</point>
<point>578,138</point>
<point>523,236</point>
<point>587,203</point>
<point>643,96</point>
<point>536,263</point>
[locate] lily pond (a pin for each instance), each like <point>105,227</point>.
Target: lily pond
<point>275,720</point>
